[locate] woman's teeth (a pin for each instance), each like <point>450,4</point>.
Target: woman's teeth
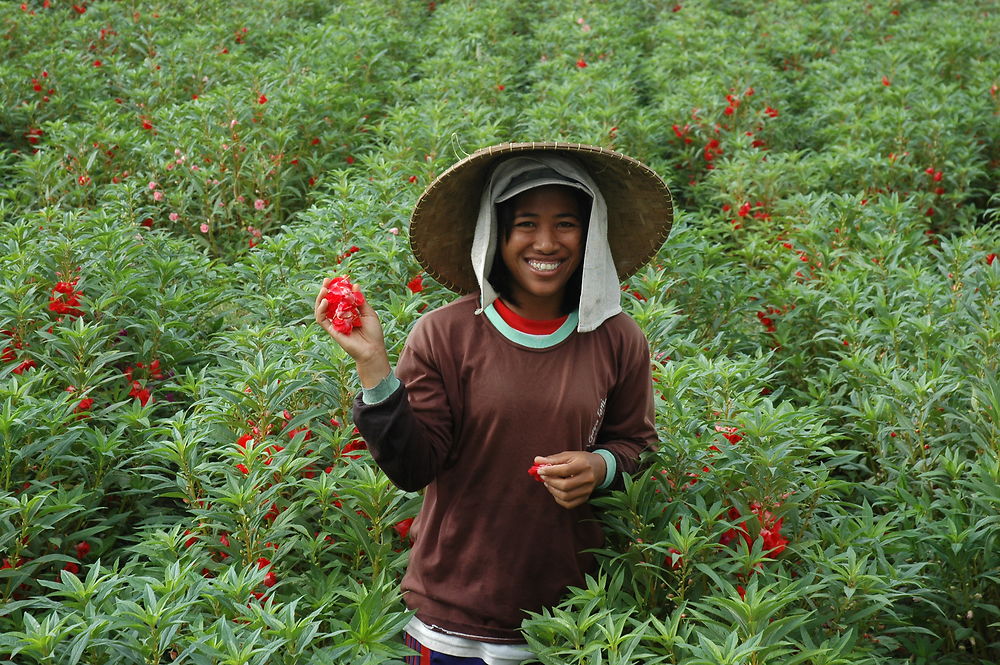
<point>544,266</point>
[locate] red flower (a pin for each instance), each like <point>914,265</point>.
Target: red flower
<point>344,303</point>
<point>356,444</point>
<point>885,81</point>
<point>270,579</point>
<point>533,472</point>
<point>416,285</point>
<point>262,99</point>
<point>82,549</point>
<point>84,405</point>
<point>263,562</point>
<point>243,467</point>
<point>139,392</point>
<point>731,433</point>
<point>27,364</point>
<point>773,113</point>
<point>403,527</point>
<point>71,567</point>
<point>744,209</point>
<point>774,542</point>
<point>581,63</point>
<point>97,63</point>
<point>990,258</point>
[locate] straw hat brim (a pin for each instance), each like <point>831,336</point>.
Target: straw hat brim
<point>640,209</point>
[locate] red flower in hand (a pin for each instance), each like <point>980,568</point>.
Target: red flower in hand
<point>344,303</point>
<point>533,472</point>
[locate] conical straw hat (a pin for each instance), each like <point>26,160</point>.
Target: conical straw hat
<point>640,209</point>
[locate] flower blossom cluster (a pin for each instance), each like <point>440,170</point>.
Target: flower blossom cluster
<point>65,299</point>
<point>344,303</point>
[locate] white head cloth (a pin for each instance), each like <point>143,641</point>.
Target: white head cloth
<point>600,292</point>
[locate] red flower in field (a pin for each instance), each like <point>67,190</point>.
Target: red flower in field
<point>675,562</point>
<point>731,433</point>
<point>27,364</point>
<point>65,299</point>
<point>97,63</point>
<point>82,549</point>
<point>80,9</point>
<point>729,110</point>
<point>356,444</point>
<point>350,160</point>
<point>263,562</point>
<point>885,81</point>
<point>139,392</point>
<point>71,567</point>
<point>740,590</point>
<point>85,404</point>
<point>416,285</point>
<point>262,99</point>
<point>774,542</point>
<point>770,112</point>
<point>403,527</point>
<point>990,258</point>
<point>581,63</point>
<point>744,209</point>
<point>270,579</point>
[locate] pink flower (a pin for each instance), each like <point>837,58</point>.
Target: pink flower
<point>157,195</point>
<point>173,217</point>
<point>259,204</point>
<point>152,185</point>
<point>204,227</point>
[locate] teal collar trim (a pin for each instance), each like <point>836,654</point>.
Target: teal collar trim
<point>528,340</point>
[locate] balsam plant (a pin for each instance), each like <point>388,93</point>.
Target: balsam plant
<point>179,477</point>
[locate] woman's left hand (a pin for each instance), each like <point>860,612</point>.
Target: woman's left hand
<point>572,476</point>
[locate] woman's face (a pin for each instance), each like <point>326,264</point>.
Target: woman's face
<point>544,249</point>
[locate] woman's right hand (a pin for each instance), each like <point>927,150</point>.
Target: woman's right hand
<point>366,343</point>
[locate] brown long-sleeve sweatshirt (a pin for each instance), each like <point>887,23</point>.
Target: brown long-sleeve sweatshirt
<point>473,410</point>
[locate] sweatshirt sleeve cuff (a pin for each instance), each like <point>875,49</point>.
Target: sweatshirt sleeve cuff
<point>381,392</point>
<point>611,463</point>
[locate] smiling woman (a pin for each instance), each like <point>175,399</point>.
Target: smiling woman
<point>535,367</point>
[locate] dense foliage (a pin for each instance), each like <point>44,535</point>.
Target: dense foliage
<point>179,478</point>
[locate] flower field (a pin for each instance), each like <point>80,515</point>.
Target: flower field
<point>180,481</point>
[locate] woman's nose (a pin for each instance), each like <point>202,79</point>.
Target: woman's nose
<point>545,239</point>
